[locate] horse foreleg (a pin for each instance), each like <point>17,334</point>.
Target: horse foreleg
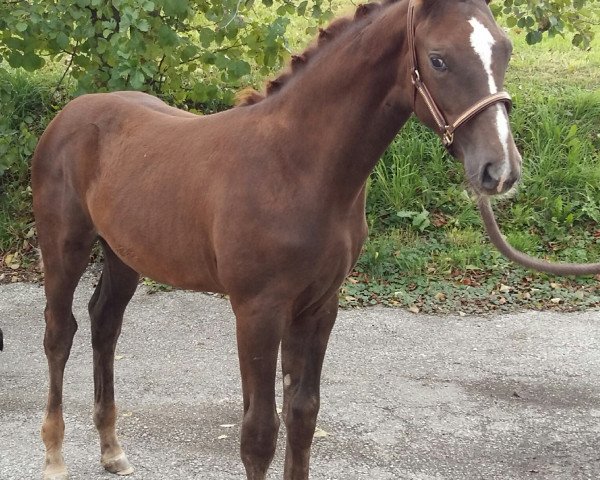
<point>302,353</point>
<point>259,328</point>
<point>114,290</point>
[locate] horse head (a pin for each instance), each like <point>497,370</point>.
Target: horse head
<point>459,56</point>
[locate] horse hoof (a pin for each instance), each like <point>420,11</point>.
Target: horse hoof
<point>118,465</point>
<point>56,474</point>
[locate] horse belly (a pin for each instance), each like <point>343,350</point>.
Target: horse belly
<point>159,238</point>
<point>187,266</point>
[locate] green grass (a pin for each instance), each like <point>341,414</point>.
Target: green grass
<point>555,63</point>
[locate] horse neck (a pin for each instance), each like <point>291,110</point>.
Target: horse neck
<point>348,105</point>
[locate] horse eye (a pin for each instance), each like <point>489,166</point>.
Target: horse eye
<point>438,63</point>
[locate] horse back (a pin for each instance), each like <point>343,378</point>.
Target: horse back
<point>71,142</point>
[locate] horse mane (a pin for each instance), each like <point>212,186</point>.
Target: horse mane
<point>249,96</point>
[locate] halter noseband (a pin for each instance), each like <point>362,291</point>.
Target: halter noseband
<point>445,128</point>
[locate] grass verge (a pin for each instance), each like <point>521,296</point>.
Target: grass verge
<point>427,250</point>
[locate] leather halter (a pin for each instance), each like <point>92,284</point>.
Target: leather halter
<point>445,128</point>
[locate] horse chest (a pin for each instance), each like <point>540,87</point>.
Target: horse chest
<point>331,257</point>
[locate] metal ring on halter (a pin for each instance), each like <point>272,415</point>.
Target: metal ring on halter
<point>416,77</point>
<point>448,138</point>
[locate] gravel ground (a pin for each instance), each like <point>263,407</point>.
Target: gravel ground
<point>404,396</point>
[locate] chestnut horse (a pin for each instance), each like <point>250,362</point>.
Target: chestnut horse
<point>264,202</point>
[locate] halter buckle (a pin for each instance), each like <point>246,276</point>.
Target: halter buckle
<point>447,137</point>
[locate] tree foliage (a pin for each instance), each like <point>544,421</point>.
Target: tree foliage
<point>191,50</point>
<point>574,18</point>
<point>197,50</point>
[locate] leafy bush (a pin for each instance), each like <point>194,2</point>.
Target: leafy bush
<point>551,17</point>
<point>23,107</point>
<point>188,50</point>
<point>25,102</point>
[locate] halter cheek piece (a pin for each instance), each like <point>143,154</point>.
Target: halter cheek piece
<point>445,129</point>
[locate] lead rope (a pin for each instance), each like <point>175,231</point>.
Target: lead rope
<point>493,231</point>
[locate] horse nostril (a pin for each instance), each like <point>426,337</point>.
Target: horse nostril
<point>487,179</point>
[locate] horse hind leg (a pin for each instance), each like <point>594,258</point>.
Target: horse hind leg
<point>302,353</point>
<point>66,241</point>
<point>107,306</point>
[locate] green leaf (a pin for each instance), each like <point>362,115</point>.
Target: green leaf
<point>239,68</point>
<point>148,6</point>
<point>143,25</point>
<point>32,62</point>
<point>21,26</point>
<point>137,79</point>
<point>14,43</point>
<point>15,59</point>
<point>188,53</point>
<point>62,40</point>
<point>176,8</point>
<point>167,37</point>
<point>533,37</point>
<point>302,8</point>
<point>206,36</point>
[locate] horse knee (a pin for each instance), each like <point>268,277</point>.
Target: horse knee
<point>259,437</point>
<point>303,408</point>
<point>59,334</point>
<point>301,419</point>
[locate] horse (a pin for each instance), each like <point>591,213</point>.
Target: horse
<point>264,202</point>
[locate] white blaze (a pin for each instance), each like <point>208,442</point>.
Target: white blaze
<point>482,42</point>
<point>503,132</point>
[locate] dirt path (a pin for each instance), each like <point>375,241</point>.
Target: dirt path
<point>404,396</point>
